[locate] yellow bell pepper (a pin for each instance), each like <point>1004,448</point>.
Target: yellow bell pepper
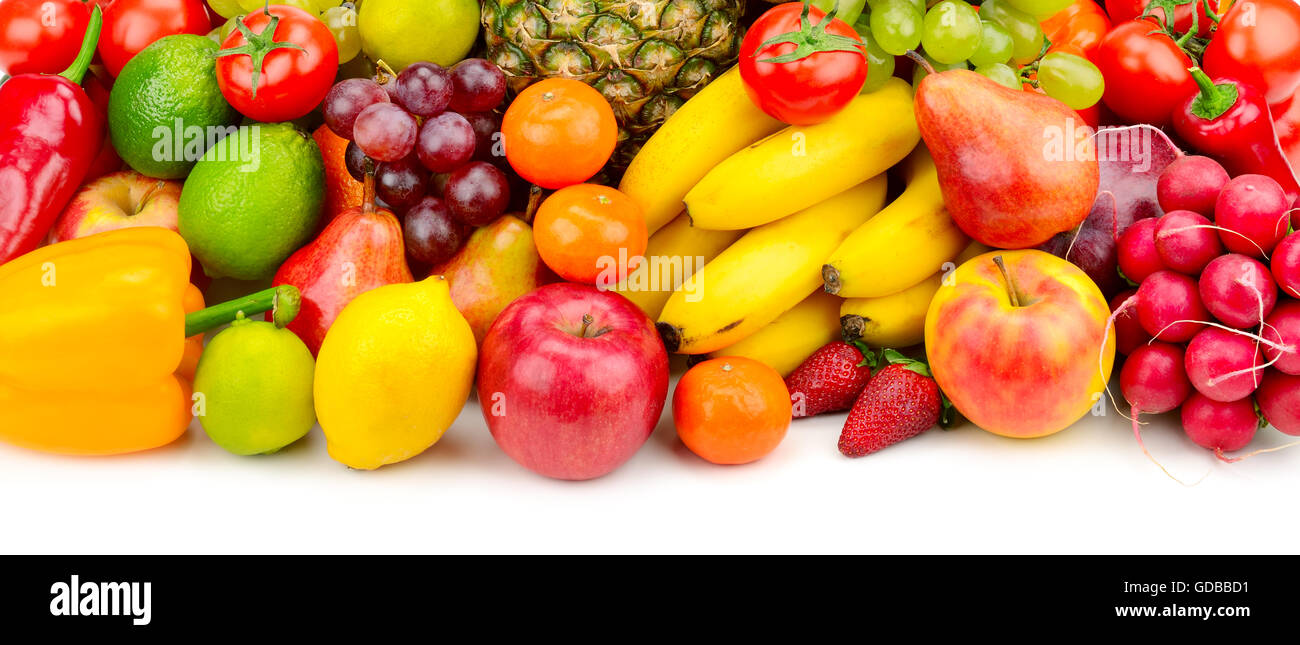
<point>99,338</point>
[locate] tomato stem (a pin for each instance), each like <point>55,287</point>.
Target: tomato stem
<point>811,39</point>
<point>258,45</point>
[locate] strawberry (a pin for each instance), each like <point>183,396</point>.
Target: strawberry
<point>900,402</point>
<point>830,380</point>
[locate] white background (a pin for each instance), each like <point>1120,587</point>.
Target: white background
<point>1088,489</point>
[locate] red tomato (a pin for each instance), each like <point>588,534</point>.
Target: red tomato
<point>292,81</point>
<point>1081,25</point>
<point>1125,10</point>
<point>1259,42</point>
<point>1146,73</point>
<point>40,37</point>
<point>813,88</point>
<point>132,25</point>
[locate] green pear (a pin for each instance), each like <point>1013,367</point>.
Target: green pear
<point>498,264</point>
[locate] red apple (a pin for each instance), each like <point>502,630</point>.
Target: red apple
<point>121,199</point>
<point>1015,342</point>
<point>571,380</point>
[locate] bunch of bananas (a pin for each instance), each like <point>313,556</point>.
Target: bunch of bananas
<point>786,242</point>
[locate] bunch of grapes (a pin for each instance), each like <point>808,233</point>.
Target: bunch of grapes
<point>428,137</point>
<point>1002,41</point>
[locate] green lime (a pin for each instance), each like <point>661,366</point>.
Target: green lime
<point>401,32</point>
<point>166,106</point>
<point>254,388</point>
<point>252,200</point>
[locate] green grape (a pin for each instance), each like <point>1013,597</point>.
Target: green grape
<point>880,64</point>
<point>342,22</point>
<point>1001,73</point>
<point>951,32</point>
<point>849,10</point>
<point>1026,34</point>
<point>919,4</point>
<point>995,45</point>
<point>1041,8</point>
<point>1071,79</point>
<point>225,8</point>
<point>896,25</point>
<point>918,71</point>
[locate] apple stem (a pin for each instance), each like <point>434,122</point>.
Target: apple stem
<point>586,322</point>
<point>144,199</point>
<point>1011,284</point>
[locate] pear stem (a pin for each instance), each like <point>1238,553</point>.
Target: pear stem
<point>368,187</point>
<point>920,60</point>
<point>1011,284</point>
<point>534,201</point>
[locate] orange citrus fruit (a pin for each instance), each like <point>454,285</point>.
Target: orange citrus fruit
<point>731,410</point>
<point>590,234</point>
<point>559,132</point>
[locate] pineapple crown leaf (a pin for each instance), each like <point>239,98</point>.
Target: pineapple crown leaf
<point>811,39</point>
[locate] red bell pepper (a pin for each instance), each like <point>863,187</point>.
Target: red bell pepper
<point>1230,120</point>
<point>50,133</point>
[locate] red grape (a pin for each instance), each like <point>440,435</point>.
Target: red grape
<point>385,132</point>
<point>346,100</point>
<point>401,184</point>
<point>480,86</point>
<point>477,193</point>
<point>432,235</point>
<point>423,89</point>
<point>446,142</point>
<point>355,161</point>
<point>486,126</point>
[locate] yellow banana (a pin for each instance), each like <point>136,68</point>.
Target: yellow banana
<point>898,319</point>
<point>909,241</point>
<point>674,254</point>
<point>765,273</point>
<point>719,120</point>
<point>790,339</point>
<point>801,166</point>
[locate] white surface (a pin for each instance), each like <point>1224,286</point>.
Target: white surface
<point>1088,489</point>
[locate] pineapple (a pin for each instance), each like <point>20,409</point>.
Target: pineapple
<point>645,56</point>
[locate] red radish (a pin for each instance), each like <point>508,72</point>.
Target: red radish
<point>1137,250</point>
<point>1238,290</point>
<point>1254,210</point>
<point>1191,183</point>
<point>1286,265</point>
<point>1279,401</point>
<point>1169,306</point>
<point>1282,327</point>
<point>1223,365</point>
<point>1129,334</point>
<point>1186,241</point>
<point>1218,426</point>
<point>1153,380</point>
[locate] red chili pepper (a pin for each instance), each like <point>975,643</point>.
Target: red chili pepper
<point>50,133</point>
<point>1230,120</point>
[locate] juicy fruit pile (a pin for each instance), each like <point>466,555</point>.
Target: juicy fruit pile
<point>897,211</point>
<point>645,58</point>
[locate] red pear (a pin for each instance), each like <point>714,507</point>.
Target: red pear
<point>360,250</point>
<point>1015,167</point>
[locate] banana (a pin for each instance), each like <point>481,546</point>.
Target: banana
<point>673,255</point>
<point>898,319</point>
<point>789,340</point>
<point>801,166</point>
<point>765,273</point>
<point>719,120</point>
<point>903,245</point>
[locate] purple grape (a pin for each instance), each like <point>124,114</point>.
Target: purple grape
<point>446,142</point>
<point>355,161</point>
<point>346,100</point>
<point>401,184</point>
<point>432,234</point>
<point>486,126</point>
<point>385,132</point>
<point>480,86</point>
<point>423,89</point>
<point>477,193</point>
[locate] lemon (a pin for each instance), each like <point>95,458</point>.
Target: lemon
<point>393,373</point>
<point>401,32</point>
<point>256,385</point>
